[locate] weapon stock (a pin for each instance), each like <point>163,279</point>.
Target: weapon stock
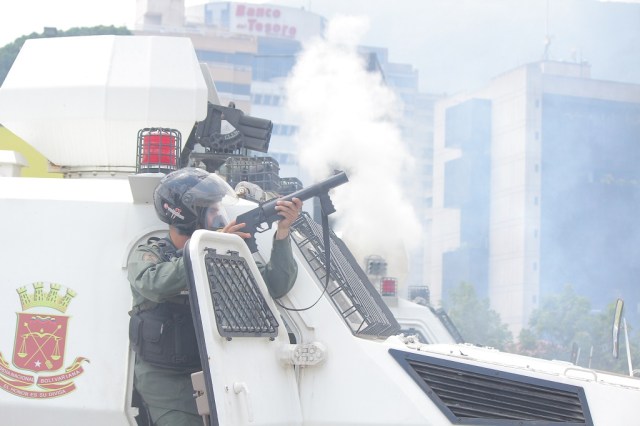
<point>266,213</point>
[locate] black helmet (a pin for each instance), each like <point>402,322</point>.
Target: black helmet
<point>183,196</point>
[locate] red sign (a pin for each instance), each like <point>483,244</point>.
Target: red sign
<point>263,21</point>
<point>257,11</point>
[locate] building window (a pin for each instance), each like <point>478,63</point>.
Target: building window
<point>238,59</point>
<point>233,88</point>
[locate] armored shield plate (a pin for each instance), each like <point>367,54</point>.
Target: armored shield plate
<point>239,334</point>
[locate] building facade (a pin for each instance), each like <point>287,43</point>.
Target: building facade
<point>251,49</point>
<point>536,186</point>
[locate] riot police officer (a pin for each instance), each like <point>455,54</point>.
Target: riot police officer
<point>186,199</point>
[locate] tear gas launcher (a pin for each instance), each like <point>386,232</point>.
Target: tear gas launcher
<point>262,217</point>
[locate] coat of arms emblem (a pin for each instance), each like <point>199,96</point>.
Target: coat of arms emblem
<point>40,344</point>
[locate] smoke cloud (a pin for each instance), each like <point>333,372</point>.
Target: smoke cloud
<point>348,120</point>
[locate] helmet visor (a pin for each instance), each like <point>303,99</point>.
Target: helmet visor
<point>210,189</point>
<point>206,201</point>
<point>214,217</point>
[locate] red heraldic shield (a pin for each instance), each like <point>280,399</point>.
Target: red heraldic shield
<point>40,342</point>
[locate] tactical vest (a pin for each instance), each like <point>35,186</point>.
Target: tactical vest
<point>163,334</point>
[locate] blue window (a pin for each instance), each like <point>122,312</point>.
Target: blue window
<point>235,88</point>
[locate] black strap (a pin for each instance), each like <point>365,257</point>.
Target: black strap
<point>168,250</point>
<point>327,248</point>
<point>327,264</point>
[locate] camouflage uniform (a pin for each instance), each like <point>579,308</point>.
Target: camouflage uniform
<point>168,392</point>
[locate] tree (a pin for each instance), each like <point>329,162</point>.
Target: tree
<point>9,52</point>
<point>565,327</point>
<point>475,320</point>
<point>562,319</point>
<point>602,344</point>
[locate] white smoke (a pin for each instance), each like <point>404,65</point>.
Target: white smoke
<point>348,121</point>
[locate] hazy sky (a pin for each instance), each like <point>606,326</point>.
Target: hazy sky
<point>456,45</point>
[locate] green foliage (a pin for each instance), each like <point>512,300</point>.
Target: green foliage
<point>530,345</point>
<point>566,328</point>
<point>9,52</point>
<point>561,318</point>
<point>476,321</point>
<point>600,339</point>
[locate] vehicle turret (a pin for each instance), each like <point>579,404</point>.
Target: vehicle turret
<point>81,101</point>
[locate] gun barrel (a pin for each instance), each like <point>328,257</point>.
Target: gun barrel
<point>267,214</point>
<point>318,188</point>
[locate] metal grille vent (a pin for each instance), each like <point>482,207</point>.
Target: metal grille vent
<point>476,395</point>
<point>239,307</point>
<point>263,171</point>
<point>351,292</point>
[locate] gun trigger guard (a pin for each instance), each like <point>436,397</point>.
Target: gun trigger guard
<point>261,229</point>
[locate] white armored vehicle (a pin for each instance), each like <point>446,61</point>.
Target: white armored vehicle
<point>100,109</point>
